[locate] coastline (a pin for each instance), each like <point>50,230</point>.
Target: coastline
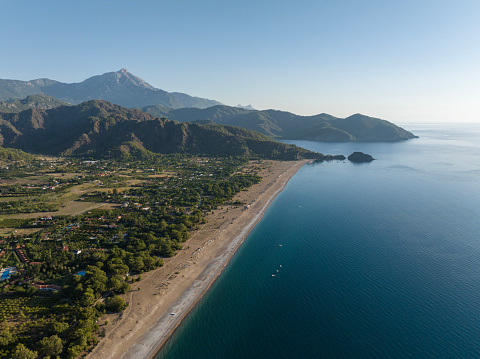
<point>170,292</point>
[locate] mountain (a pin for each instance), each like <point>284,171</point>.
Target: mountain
<point>40,101</point>
<point>248,107</point>
<point>286,125</point>
<point>120,87</point>
<point>127,90</point>
<point>101,129</point>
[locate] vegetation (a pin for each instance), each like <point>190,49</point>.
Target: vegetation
<point>69,261</point>
<point>72,269</point>
<point>40,101</point>
<point>286,125</point>
<point>130,91</point>
<point>99,129</point>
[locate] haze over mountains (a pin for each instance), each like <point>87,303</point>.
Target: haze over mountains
<point>286,125</point>
<point>120,87</point>
<point>127,90</point>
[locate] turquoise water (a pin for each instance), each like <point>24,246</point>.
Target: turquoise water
<point>378,260</point>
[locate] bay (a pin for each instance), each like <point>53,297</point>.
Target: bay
<point>356,260</point>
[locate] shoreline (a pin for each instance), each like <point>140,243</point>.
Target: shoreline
<point>236,243</point>
<point>143,329</point>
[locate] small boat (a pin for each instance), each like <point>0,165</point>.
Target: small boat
<point>280,266</point>
<point>273,275</point>
<point>280,245</point>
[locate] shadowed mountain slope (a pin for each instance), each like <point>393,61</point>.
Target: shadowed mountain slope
<point>100,129</point>
<point>127,90</point>
<point>286,125</point>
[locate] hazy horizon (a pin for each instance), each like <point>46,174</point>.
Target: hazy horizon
<point>403,62</point>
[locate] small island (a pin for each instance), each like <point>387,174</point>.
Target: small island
<point>360,157</point>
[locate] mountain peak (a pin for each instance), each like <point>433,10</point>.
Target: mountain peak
<point>123,78</point>
<point>248,107</point>
<point>120,87</point>
<point>123,71</point>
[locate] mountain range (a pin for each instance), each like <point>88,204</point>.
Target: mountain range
<point>101,129</point>
<point>286,125</point>
<point>127,90</point>
<point>120,87</point>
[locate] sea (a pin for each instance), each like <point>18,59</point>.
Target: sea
<point>372,260</point>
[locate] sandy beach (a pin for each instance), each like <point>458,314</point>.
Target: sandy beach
<point>159,302</point>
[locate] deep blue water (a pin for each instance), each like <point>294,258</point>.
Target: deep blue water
<point>378,260</point>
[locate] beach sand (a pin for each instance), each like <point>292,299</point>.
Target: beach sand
<point>159,302</point>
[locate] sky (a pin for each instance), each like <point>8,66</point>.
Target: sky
<point>406,61</point>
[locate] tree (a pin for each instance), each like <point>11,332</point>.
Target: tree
<point>6,338</point>
<point>22,352</point>
<point>87,299</point>
<point>114,284</point>
<point>115,304</point>
<point>59,327</point>
<point>124,288</point>
<point>74,350</point>
<point>96,279</point>
<point>51,345</point>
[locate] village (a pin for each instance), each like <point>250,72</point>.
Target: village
<point>101,224</point>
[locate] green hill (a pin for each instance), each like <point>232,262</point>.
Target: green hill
<point>286,125</point>
<point>40,101</point>
<point>100,129</point>
<point>11,154</point>
<point>125,89</point>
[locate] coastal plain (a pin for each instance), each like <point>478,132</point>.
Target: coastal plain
<point>160,301</point>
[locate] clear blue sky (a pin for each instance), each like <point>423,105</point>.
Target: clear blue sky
<point>401,60</point>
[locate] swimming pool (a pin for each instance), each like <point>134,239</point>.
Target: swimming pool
<point>7,272</point>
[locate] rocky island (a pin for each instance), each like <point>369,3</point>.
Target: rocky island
<point>360,157</point>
